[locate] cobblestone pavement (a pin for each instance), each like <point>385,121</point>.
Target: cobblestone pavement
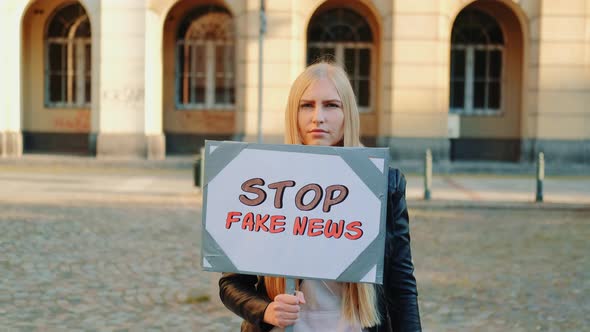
<point>121,253</point>
<point>111,268</point>
<point>105,268</point>
<point>503,270</point>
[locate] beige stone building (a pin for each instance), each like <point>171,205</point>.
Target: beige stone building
<point>472,80</point>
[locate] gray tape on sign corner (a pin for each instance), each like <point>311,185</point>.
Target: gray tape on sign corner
<point>366,170</point>
<point>359,268</point>
<point>213,253</point>
<point>313,149</point>
<point>223,154</point>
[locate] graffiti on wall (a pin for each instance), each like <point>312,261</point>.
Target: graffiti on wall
<point>79,121</point>
<point>126,96</point>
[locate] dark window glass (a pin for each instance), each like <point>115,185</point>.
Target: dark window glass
<point>224,74</point>
<point>64,19</point>
<point>480,64</point>
<point>192,83</point>
<point>358,73</point>
<point>232,95</point>
<point>181,85</point>
<point>76,54</point>
<point>83,29</point>
<point>88,54</point>
<point>350,59</point>
<point>55,88</point>
<point>339,25</point>
<point>457,94</point>
<point>200,60</point>
<point>479,90</point>
<point>478,32</point>
<point>495,64</point>
<point>220,95</point>
<point>343,27</point>
<point>495,35</point>
<point>365,62</point>
<point>363,93</point>
<point>87,89</point>
<point>196,14</point>
<point>71,12</point>
<point>475,36</point>
<point>364,32</point>
<point>315,54</point>
<point>494,95</point>
<point>223,95</point>
<point>55,29</point>
<point>73,88</point>
<point>69,62</point>
<point>56,54</point>
<point>199,91</point>
<point>343,33</point>
<point>219,61</point>
<point>207,32</point>
<point>475,27</point>
<point>457,64</point>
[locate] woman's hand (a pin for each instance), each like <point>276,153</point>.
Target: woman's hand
<point>284,310</point>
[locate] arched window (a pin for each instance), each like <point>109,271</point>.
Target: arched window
<point>345,37</point>
<point>205,60</point>
<point>477,46</point>
<point>68,58</point>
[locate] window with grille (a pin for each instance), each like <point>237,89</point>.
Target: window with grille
<point>68,58</point>
<point>205,63</point>
<point>343,36</point>
<point>477,51</point>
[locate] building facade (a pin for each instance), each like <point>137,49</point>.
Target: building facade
<point>469,79</point>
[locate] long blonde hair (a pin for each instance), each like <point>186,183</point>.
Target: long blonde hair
<point>359,301</point>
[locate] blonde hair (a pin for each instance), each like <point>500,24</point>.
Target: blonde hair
<point>359,301</point>
<point>338,77</point>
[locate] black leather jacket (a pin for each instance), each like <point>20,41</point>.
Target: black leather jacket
<point>246,295</point>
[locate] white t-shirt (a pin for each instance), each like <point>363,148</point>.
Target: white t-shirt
<point>322,310</point>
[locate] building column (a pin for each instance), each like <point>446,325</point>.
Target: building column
<point>419,85</point>
<point>156,141</point>
<point>11,139</point>
<point>118,121</point>
<point>284,33</point>
<point>558,117</point>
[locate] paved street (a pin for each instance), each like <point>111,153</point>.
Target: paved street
<point>502,188</point>
<point>503,269</point>
<point>89,248</point>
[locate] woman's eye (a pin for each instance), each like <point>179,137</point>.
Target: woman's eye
<point>333,105</point>
<point>305,105</point>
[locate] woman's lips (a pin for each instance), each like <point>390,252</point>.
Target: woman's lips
<point>318,133</point>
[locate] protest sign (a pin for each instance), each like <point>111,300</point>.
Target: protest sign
<point>295,211</point>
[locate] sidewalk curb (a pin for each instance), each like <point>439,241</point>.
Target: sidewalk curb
<point>408,167</point>
<point>180,162</point>
<point>496,205</point>
<point>196,201</point>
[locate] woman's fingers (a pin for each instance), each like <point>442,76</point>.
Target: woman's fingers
<point>281,315</point>
<point>282,306</point>
<point>288,315</point>
<point>284,310</point>
<point>287,299</point>
<point>300,297</point>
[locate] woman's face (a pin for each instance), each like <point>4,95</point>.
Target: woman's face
<point>320,117</point>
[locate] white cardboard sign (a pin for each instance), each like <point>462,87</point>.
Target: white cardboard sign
<point>295,211</point>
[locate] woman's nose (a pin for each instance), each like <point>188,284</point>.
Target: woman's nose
<point>318,114</point>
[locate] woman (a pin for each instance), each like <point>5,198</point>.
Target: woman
<point>322,110</point>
